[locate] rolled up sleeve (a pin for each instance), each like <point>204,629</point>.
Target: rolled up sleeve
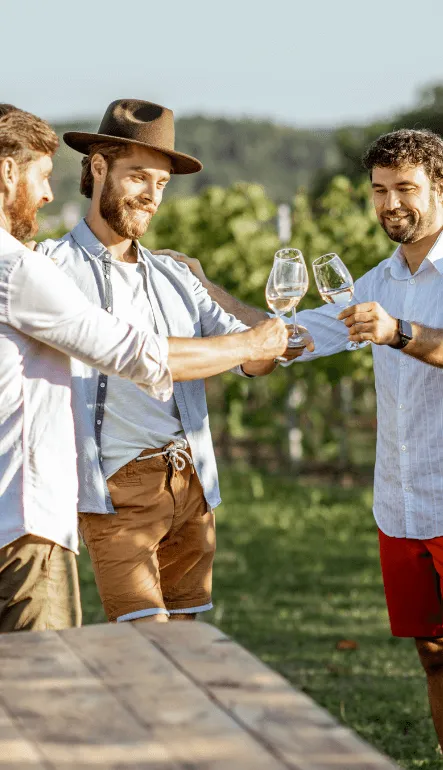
<point>45,304</point>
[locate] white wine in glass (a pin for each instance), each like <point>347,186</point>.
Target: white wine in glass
<point>291,284</point>
<point>335,285</point>
<point>279,305</point>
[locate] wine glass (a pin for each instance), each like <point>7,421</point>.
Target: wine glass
<point>335,285</point>
<point>275,303</point>
<point>291,284</point>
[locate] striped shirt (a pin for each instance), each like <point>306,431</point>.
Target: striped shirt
<point>408,482</point>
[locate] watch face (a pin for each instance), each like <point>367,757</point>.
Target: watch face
<point>405,330</point>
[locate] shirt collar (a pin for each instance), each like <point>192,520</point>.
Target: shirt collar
<point>398,266</point>
<point>86,239</point>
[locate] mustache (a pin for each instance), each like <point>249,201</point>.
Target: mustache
<point>396,213</point>
<point>133,203</point>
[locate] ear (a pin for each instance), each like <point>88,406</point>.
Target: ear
<point>99,167</point>
<point>9,175</point>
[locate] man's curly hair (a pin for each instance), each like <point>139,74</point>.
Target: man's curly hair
<point>407,147</point>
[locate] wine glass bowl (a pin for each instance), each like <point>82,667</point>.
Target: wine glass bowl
<point>288,286</point>
<point>335,285</point>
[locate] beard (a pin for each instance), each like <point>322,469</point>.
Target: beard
<point>129,217</point>
<point>413,226</point>
<point>22,213</point>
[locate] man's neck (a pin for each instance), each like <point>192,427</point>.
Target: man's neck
<point>416,253</point>
<point>122,249</point>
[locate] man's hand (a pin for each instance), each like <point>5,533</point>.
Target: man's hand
<point>267,340</point>
<point>193,264</point>
<point>266,337</point>
<point>291,353</point>
<point>369,321</point>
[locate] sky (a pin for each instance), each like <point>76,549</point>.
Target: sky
<point>298,62</point>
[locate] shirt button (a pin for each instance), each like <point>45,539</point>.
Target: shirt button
<point>99,422</point>
<point>412,281</point>
<point>109,309</point>
<point>102,384</point>
<point>403,447</point>
<point>400,406</point>
<point>408,489</point>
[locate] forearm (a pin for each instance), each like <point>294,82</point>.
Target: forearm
<point>245,313</point>
<point>193,358</point>
<point>426,345</point>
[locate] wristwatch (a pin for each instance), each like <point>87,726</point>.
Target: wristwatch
<point>405,332</point>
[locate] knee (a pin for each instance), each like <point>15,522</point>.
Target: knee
<point>431,655</point>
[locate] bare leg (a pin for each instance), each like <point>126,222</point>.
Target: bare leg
<point>431,656</point>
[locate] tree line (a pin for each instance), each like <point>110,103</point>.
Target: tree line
<point>282,159</point>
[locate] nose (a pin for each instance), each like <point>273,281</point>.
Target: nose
<point>392,200</point>
<point>48,195</point>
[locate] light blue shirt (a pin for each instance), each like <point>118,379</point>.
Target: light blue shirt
<point>181,308</point>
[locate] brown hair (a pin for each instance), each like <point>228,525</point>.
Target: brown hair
<point>22,135</point>
<point>407,147</point>
<point>5,108</point>
<point>110,153</point>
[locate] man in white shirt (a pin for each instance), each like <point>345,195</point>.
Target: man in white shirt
<point>398,306</point>
<point>44,319</point>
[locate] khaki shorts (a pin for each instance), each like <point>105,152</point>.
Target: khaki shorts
<point>154,556</point>
<point>38,586</point>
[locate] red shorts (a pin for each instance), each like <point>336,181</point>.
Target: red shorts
<point>413,578</point>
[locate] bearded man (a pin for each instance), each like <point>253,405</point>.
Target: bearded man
<point>398,306</point>
<point>147,472</point>
<point>44,319</point>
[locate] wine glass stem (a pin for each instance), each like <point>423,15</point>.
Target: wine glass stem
<point>294,322</point>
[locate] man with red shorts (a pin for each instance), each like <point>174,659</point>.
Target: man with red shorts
<point>399,308</point>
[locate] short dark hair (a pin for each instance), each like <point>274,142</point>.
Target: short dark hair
<point>110,153</point>
<point>407,147</point>
<point>22,135</point>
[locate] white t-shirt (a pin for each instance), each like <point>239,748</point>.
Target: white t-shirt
<point>133,421</point>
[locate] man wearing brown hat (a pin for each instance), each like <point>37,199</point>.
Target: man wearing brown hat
<point>147,473</point>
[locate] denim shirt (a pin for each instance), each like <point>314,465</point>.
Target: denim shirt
<point>181,308</point>
<point>45,319</point>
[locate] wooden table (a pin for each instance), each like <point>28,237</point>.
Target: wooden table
<point>173,696</point>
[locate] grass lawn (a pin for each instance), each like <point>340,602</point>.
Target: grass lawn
<point>297,571</point>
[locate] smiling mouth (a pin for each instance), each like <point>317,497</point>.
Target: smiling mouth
<point>396,220</point>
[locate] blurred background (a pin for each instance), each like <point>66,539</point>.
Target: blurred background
<point>279,101</point>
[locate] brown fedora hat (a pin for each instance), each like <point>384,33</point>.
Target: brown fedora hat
<point>132,121</point>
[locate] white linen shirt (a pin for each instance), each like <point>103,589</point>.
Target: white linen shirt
<point>408,482</point>
<point>44,318</point>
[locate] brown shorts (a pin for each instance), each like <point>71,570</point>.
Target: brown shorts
<point>38,586</point>
<point>154,556</point>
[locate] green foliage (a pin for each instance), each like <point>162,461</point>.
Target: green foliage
<point>281,158</point>
<point>296,571</point>
<point>233,233</point>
